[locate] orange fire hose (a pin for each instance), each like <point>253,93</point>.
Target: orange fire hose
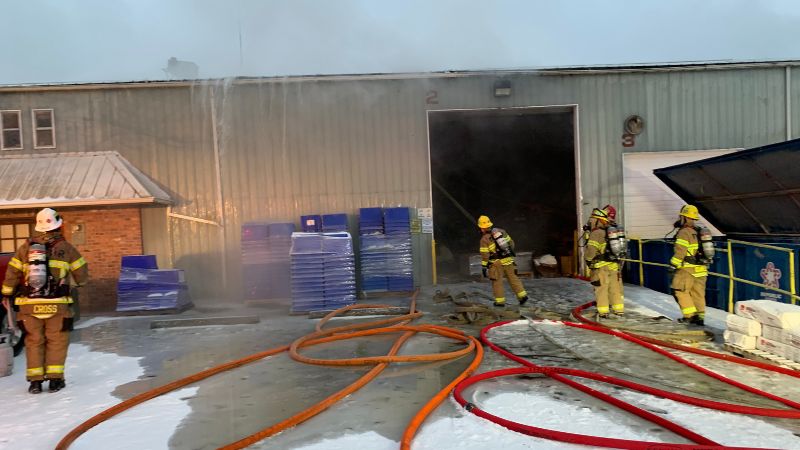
<point>390,325</point>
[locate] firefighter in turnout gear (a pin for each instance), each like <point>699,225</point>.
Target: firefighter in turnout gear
<point>38,276</point>
<point>497,259</point>
<point>690,262</point>
<point>602,257</point>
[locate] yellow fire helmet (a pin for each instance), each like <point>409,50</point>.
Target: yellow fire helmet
<point>484,222</point>
<point>601,214</point>
<point>690,211</point>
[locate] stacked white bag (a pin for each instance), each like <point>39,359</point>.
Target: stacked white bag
<point>741,331</point>
<point>766,325</point>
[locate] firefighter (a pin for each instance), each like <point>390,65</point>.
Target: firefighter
<point>604,273</point>
<point>690,268</point>
<point>497,259</point>
<point>38,275</point>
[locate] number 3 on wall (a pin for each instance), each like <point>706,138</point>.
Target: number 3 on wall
<point>628,140</point>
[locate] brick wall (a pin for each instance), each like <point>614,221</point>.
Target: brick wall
<point>108,234</point>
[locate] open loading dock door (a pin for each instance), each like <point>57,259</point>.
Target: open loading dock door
<point>750,192</point>
<point>515,165</point>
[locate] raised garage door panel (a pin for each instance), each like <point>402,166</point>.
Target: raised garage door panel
<point>651,206</point>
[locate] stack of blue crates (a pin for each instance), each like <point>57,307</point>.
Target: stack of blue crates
<point>266,265</point>
<point>144,287</point>
<point>386,263</point>
<point>373,258</point>
<point>400,265</point>
<point>340,270</point>
<point>334,223</point>
<point>323,271</point>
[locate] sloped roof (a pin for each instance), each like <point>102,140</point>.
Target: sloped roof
<point>74,179</point>
<point>755,191</point>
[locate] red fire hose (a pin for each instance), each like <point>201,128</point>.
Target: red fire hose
<point>561,374</point>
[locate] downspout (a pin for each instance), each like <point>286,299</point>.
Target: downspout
<point>788,103</point>
<point>218,174</point>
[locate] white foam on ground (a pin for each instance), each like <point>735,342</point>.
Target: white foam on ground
<point>40,421</point>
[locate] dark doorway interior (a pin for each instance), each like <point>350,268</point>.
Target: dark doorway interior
<point>516,166</point>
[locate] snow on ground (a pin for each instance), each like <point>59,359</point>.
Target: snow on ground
<point>652,303</point>
<point>469,432</point>
<point>91,377</point>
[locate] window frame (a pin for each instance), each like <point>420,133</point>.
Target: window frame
<point>3,130</point>
<point>37,128</point>
<point>13,223</point>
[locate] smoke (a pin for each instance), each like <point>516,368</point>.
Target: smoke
<point>96,40</point>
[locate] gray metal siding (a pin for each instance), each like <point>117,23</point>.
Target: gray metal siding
<point>298,146</point>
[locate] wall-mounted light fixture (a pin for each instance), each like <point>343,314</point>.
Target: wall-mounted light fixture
<point>502,88</point>
<point>634,125</point>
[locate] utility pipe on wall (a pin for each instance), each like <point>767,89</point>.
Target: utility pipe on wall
<point>788,103</point>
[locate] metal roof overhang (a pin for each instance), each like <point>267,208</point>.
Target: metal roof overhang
<point>75,179</point>
<point>749,192</point>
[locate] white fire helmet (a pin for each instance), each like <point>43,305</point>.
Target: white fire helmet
<point>48,220</point>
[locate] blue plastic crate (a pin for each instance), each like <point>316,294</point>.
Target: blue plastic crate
<point>255,231</point>
<point>281,229</point>
<point>399,214</point>
<point>334,222</point>
<point>139,262</point>
<point>311,223</point>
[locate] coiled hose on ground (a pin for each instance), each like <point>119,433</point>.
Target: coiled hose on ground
<point>397,324</point>
<point>561,374</point>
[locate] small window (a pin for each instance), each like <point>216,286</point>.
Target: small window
<point>12,235</point>
<point>44,132</point>
<point>10,130</point>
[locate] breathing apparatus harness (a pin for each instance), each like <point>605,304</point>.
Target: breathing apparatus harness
<point>39,281</point>
<point>705,251</point>
<point>502,241</point>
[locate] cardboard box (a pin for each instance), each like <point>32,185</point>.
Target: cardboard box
<point>768,312</point>
<point>740,340</point>
<point>743,325</point>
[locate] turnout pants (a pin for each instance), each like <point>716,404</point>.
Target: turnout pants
<point>690,293</point>
<point>46,339</point>
<point>607,285</point>
<point>496,272</point>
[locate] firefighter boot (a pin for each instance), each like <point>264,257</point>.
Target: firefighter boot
<point>56,384</point>
<point>522,300</point>
<point>691,320</point>
<point>35,387</point>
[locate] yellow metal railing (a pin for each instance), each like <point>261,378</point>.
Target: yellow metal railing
<point>732,279</point>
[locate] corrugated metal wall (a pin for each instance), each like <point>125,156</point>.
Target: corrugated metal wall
<point>296,146</point>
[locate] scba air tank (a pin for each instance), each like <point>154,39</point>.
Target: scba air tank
<point>617,244</point>
<point>37,269</point>
<point>706,245</point>
<point>503,242</point>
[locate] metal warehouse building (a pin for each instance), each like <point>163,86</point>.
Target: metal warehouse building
<point>175,168</point>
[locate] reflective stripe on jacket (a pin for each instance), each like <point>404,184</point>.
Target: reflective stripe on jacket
<point>595,254</point>
<point>686,251</point>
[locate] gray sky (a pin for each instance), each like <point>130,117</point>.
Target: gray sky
<point>118,40</point>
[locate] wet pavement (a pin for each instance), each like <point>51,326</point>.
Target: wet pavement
<point>235,404</point>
